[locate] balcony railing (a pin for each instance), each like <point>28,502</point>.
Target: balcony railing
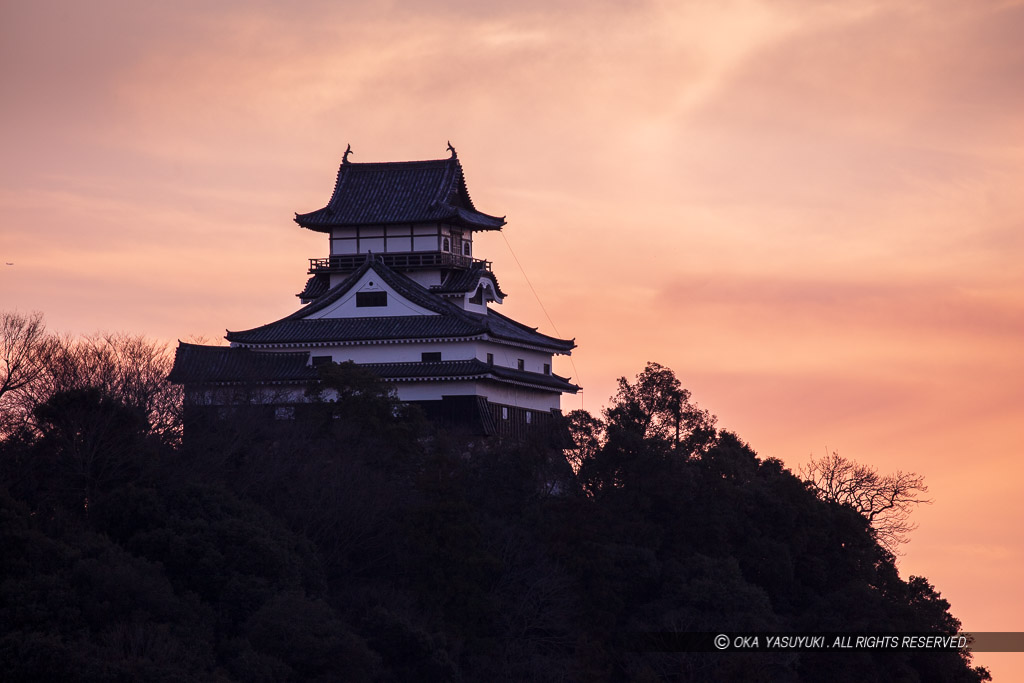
<point>410,260</point>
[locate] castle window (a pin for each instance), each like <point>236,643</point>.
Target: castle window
<point>522,364</point>
<point>465,248</point>
<point>430,356</point>
<point>529,417</point>
<point>490,359</point>
<point>504,413</point>
<point>371,299</point>
<point>446,245</point>
<point>547,368</point>
<point>321,360</point>
<point>478,298</point>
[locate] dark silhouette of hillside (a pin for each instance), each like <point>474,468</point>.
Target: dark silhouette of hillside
<point>365,544</point>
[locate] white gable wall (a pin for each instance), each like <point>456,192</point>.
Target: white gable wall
<point>345,307</point>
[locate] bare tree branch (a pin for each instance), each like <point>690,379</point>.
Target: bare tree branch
<point>885,501</point>
<point>26,350</point>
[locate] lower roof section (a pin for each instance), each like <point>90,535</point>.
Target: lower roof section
<point>198,364</point>
<point>445,321</point>
<point>468,370</point>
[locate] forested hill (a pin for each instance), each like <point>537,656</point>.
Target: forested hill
<point>371,546</point>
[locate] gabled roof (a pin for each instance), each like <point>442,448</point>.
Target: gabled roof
<point>215,364</point>
<point>404,286</point>
<point>399,192</point>
<point>450,321</point>
<point>462,281</point>
<point>316,286</point>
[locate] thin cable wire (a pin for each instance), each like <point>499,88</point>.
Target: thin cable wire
<point>522,270</point>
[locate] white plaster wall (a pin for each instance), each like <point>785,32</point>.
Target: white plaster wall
<point>397,353</point>
<point>508,356</point>
<point>426,243</point>
<point>345,307</point>
<point>427,278</point>
<point>523,398</point>
<point>398,243</point>
<point>368,244</point>
<point>505,356</point>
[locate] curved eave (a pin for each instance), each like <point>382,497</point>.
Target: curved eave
<point>320,220</point>
<point>567,388</point>
<point>469,371</point>
<point>533,337</point>
<point>368,341</point>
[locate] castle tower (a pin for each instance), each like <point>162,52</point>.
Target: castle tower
<point>401,293</point>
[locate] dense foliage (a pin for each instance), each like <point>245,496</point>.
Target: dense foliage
<point>364,544</point>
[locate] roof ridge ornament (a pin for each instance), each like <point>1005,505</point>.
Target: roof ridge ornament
<point>348,150</point>
<point>452,150</point>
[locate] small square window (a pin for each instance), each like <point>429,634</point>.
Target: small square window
<point>430,356</point>
<point>522,364</point>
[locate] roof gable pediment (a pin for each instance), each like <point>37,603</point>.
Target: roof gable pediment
<point>323,321</point>
<point>369,296</point>
<point>467,282</point>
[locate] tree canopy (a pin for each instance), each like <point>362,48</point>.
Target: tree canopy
<point>376,546</point>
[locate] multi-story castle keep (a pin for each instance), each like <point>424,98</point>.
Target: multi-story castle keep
<point>401,294</point>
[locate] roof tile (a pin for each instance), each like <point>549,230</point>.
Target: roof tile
<point>399,192</point>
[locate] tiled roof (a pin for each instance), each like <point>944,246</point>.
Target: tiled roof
<point>198,363</point>
<point>194,363</point>
<point>406,287</point>
<point>467,369</point>
<point>466,281</point>
<point>321,330</point>
<point>316,286</point>
<point>451,320</point>
<point>506,328</point>
<point>399,192</point>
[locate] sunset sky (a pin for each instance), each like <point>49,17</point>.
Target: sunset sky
<point>812,211</point>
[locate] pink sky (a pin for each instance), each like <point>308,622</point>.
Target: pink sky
<point>811,211</point>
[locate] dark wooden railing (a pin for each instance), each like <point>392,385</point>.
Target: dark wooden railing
<point>411,260</point>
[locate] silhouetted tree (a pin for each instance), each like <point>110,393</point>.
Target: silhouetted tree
<point>657,407</point>
<point>586,434</point>
<point>25,353</point>
<point>369,546</point>
<point>90,442</point>
<point>885,501</point>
